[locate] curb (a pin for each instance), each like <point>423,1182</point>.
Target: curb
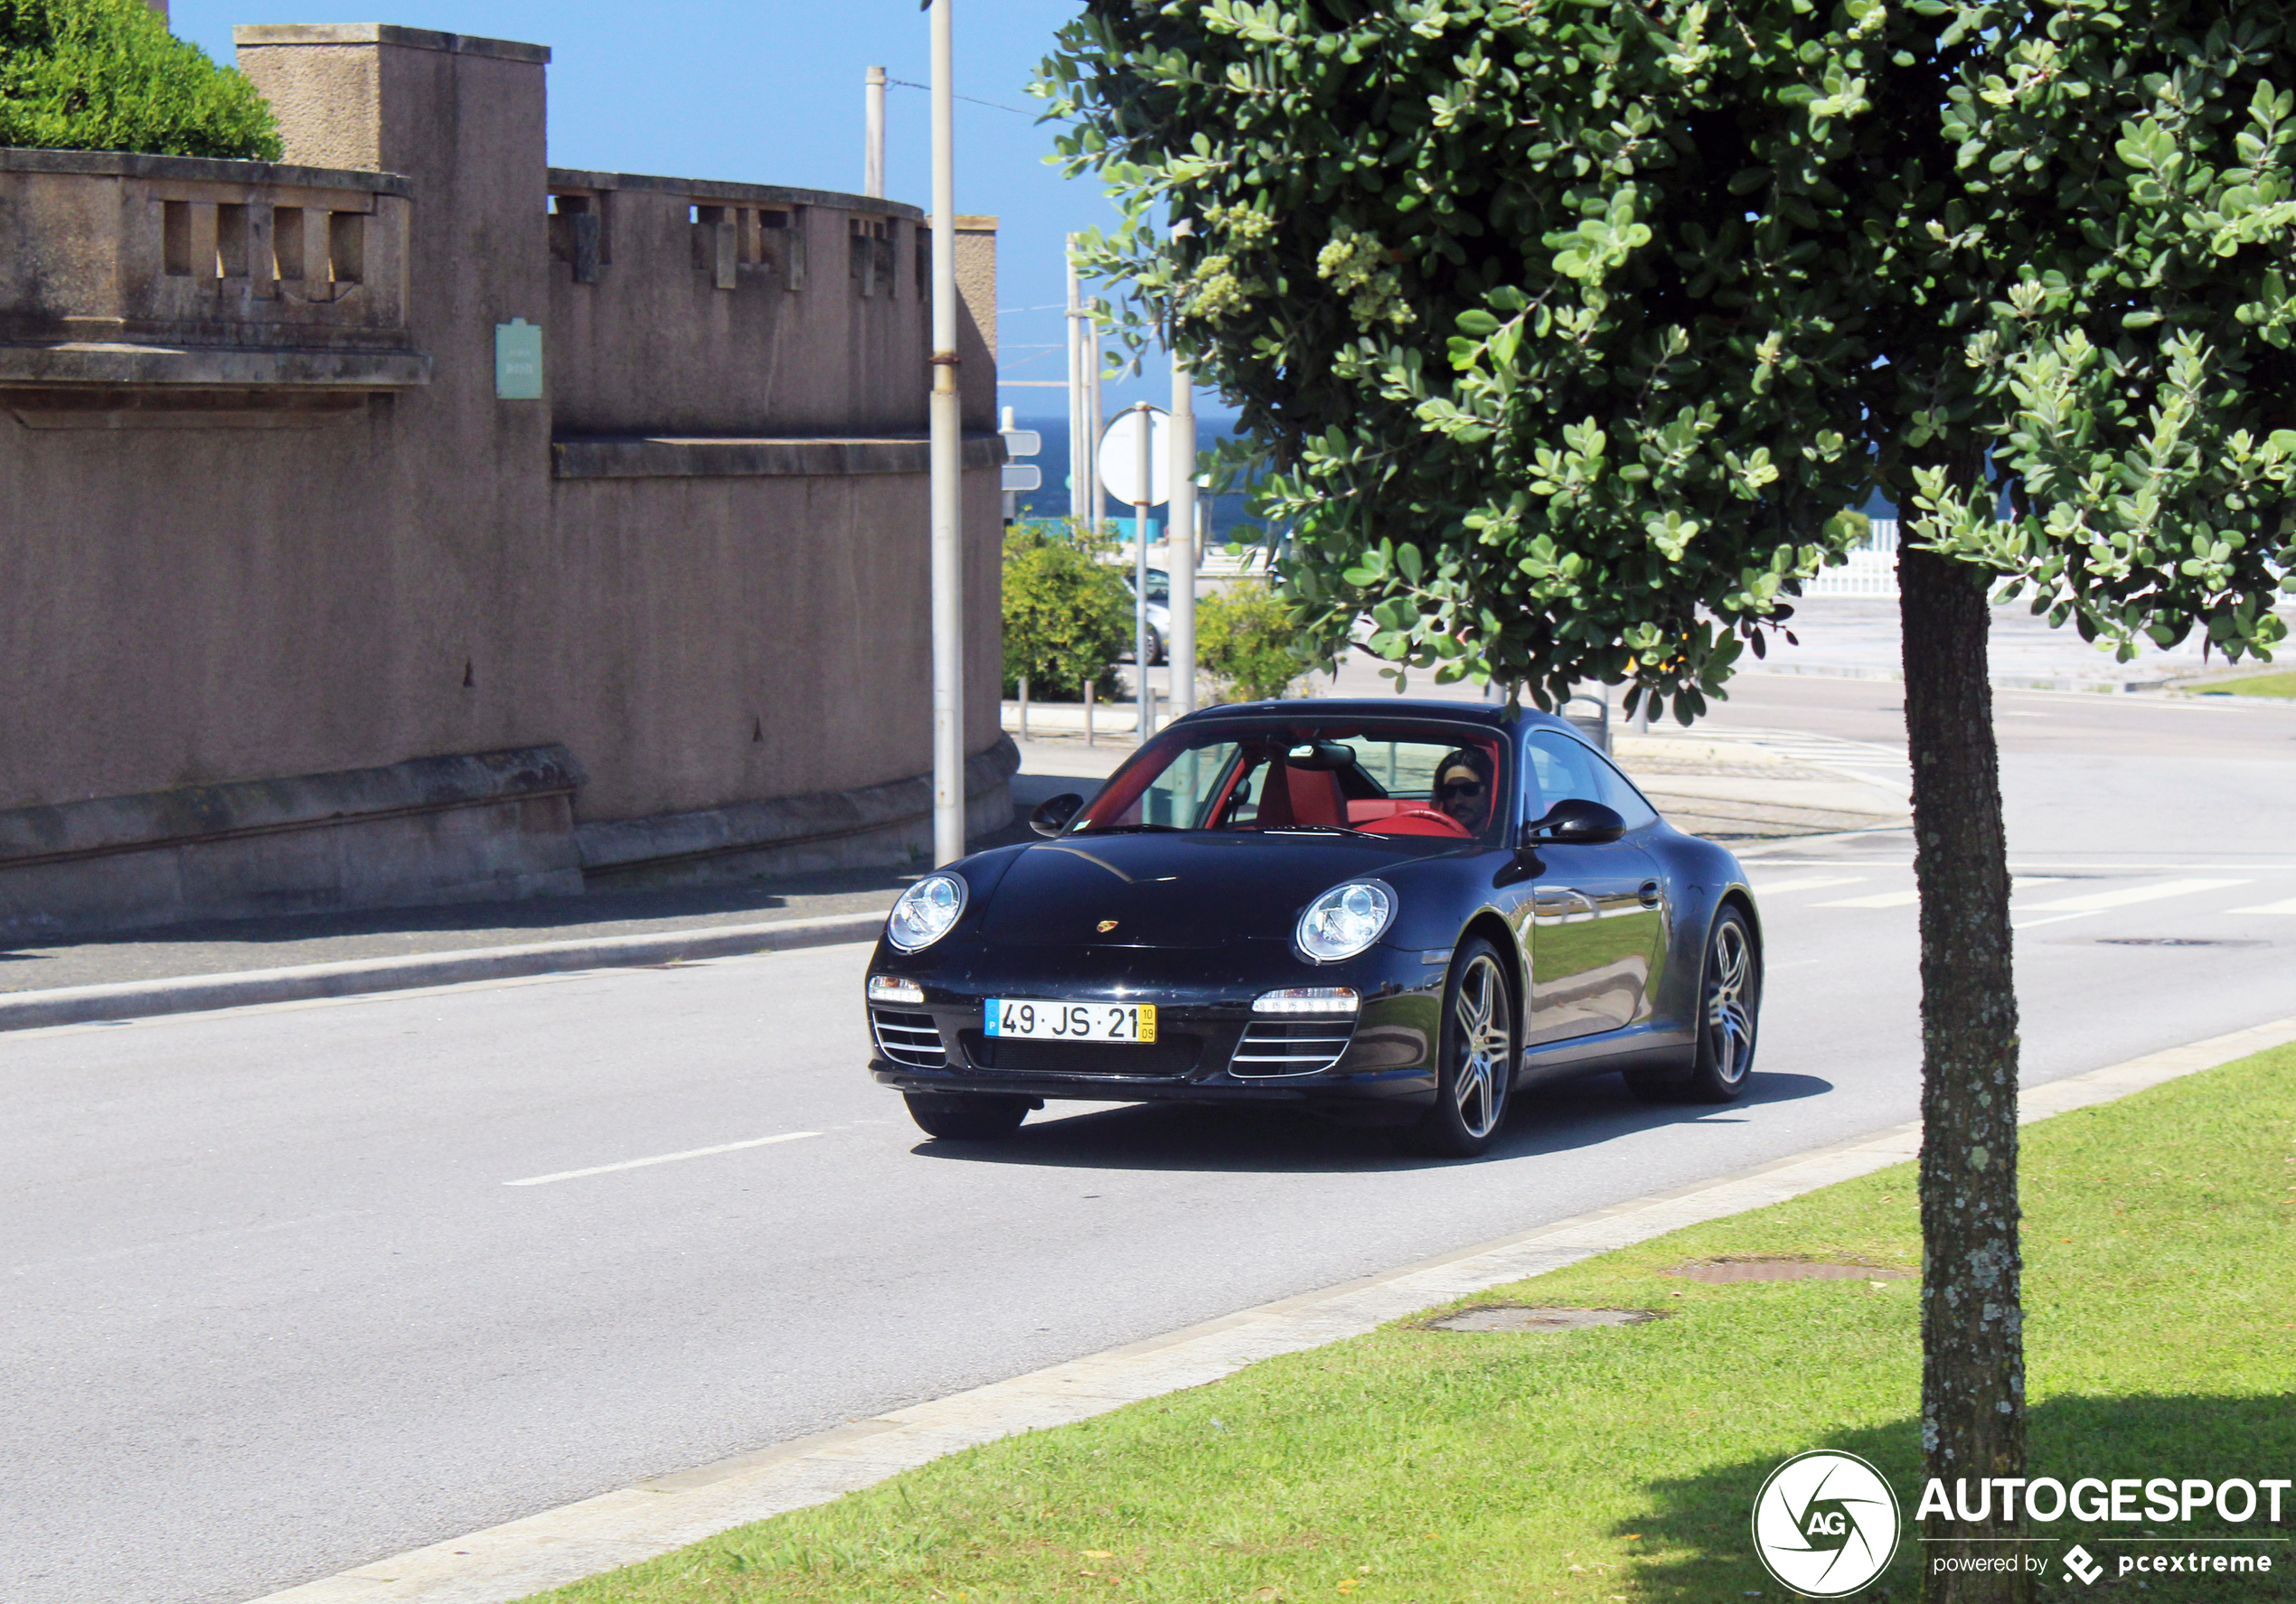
<point>654,1517</point>
<point>355,976</point>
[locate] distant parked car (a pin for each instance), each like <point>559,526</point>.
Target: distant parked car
<point>1159,611</point>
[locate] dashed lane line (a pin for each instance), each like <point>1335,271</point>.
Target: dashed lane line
<point>728,1147</point>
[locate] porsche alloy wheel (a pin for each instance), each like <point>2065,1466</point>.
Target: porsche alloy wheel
<point>1478,1058</point>
<point>1725,1055</point>
<point>1729,1008</point>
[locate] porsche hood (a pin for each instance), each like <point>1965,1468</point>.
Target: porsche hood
<point>1175,890</point>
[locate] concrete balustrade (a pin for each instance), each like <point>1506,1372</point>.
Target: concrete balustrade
<point>125,274</point>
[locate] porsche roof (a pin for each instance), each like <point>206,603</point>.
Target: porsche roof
<point>1491,713</point>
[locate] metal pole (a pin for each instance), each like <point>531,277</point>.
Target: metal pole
<point>1143,464</point>
<point>947,488</point>
<point>1180,541</point>
<point>873,138</point>
<point>1094,427</point>
<point>1079,452</point>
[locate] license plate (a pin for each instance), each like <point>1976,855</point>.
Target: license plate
<point>1071,1021</point>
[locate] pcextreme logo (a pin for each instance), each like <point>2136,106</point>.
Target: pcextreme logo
<point>1825,1523</point>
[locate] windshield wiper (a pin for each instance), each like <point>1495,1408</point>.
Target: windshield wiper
<point>1312,830</point>
<point>1128,829</point>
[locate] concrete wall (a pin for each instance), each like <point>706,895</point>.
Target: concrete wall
<point>705,622</point>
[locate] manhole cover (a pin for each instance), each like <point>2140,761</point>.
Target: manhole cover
<point>1785,1270</point>
<point>1513,1317</point>
<point>2172,940</point>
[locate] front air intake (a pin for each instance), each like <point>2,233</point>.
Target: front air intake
<point>1291,1046</point>
<point>912,1040</point>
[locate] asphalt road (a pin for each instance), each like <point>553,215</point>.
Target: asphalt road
<point>278,1304</point>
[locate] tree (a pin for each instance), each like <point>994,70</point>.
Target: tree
<point>1567,329</point>
<point>1245,642</point>
<point>1067,615</point>
<point>108,75</point>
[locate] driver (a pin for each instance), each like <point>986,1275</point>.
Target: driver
<point>1462,786</point>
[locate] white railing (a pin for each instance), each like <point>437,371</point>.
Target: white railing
<point>1871,570</point>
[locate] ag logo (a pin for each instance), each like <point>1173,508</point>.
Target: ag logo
<point>1825,1523</point>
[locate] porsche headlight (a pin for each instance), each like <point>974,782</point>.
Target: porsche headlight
<point>1345,920</point>
<point>926,911</point>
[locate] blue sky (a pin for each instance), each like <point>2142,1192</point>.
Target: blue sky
<point>771,93</point>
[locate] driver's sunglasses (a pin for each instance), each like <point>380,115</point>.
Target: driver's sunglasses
<point>1462,787</point>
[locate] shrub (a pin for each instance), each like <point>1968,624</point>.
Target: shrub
<point>1248,642</point>
<point>108,75</point>
<point>1067,615</point>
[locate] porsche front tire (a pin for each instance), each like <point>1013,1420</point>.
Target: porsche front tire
<point>965,1116</point>
<point>1478,1049</point>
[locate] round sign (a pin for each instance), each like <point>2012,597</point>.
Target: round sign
<point>1120,458</point>
<point>1825,1523</point>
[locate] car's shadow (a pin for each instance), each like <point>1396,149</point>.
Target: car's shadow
<point>1559,1117</point>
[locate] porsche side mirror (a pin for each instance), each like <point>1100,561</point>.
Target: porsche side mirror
<point>1052,815</point>
<point>1573,822</point>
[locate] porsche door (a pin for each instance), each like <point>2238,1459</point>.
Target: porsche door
<point>1599,914</point>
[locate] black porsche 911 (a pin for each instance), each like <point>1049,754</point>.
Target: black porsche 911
<point>1395,911</point>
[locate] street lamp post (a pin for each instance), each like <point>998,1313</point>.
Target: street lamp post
<point>1082,474</point>
<point>1144,466</point>
<point>1180,541</point>
<point>947,484</point>
<point>873,132</point>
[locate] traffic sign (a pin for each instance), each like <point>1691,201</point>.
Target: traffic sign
<point>1120,458</point>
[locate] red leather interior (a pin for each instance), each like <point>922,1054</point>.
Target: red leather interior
<point>1417,821</point>
<point>1301,796</point>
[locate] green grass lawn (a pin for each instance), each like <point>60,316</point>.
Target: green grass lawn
<point>2256,685</point>
<point>1620,1463</point>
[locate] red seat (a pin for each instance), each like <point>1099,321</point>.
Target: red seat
<point>1301,796</point>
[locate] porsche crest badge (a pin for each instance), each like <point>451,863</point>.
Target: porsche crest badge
<point>1107,925</point>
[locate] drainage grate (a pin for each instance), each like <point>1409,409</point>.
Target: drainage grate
<point>1785,1269</point>
<point>1507,1317</point>
<point>2172,940</point>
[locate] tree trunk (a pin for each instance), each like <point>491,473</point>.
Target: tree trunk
<point>1973,1324</point>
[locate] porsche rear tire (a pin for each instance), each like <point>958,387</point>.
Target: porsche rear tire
<point>1729,1005</point>
<point>1479,1047</point>
<point>967,1116</point>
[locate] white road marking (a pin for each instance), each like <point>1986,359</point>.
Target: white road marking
<point>1809,883</point>
<point>1905,899</point>
<point>2271,907</point>
<point>1887,899</point>
<point>730,1146</point>
<point>2090,901</point>
<point>2053,919</point>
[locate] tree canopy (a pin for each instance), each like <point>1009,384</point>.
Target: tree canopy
<point>1569,329</point>
<point>108,75</point>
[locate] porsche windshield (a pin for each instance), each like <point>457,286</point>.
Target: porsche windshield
<point>1375,777</point>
